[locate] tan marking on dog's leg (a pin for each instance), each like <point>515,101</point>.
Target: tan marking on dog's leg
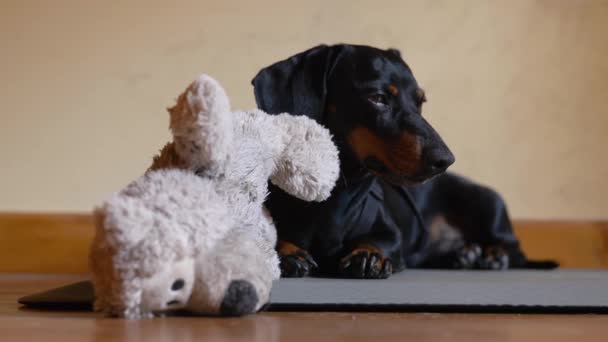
<point>285,248</point>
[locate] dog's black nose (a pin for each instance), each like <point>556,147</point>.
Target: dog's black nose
<point>439,160</point>
<point>240,299</point>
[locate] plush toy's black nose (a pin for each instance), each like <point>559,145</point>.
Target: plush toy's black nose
<point>240,299</point>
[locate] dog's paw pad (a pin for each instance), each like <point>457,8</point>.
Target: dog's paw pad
<point>467,257</point>
<point>365,262</point>
<point>295,262</point>
<point>494,258</point>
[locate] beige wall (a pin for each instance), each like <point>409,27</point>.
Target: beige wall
<point>518,89</point>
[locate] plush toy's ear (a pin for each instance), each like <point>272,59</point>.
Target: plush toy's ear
<point>297,85</point>
<point>308,166</point>
<point>201,124</point>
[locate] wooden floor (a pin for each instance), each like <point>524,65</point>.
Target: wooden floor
<point>20,324</point>
<point>59,243</point>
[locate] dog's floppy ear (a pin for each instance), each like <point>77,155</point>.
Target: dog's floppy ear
<point>296,85</point>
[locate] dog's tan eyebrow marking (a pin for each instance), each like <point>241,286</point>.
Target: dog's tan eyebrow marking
<point>421,95</point>
<point>392,89</point>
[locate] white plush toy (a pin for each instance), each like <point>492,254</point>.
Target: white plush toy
<point>192,232</point>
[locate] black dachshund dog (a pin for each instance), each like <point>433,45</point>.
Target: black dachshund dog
<point>394,206</point>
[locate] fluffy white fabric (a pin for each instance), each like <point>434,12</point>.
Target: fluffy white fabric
<point>197,214</point>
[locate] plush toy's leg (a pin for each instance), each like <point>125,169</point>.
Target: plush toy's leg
<point>308,166</point>
<point>201,124</point>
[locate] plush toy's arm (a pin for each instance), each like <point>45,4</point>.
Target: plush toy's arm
<point>308,165</point>
<point>201,124</point>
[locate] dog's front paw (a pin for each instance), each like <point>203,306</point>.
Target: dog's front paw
<point>295,262</point>
<point>365,262</point>
<point>467,257</point>
<point>494,258</point>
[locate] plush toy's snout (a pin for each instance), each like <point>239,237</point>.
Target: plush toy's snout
<point>240,299</point>
<point>169,288</point>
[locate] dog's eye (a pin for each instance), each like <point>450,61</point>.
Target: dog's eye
<point>378,99</point>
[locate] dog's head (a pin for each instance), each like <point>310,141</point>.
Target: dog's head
<point>371,102</point>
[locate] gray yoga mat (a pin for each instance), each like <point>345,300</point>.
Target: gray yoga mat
<point>557,291</point>
<point>451,291</point>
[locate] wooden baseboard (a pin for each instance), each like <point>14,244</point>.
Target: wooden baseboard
<point>59,242</point>
<point>45,242</point>
<point>576,244</point>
